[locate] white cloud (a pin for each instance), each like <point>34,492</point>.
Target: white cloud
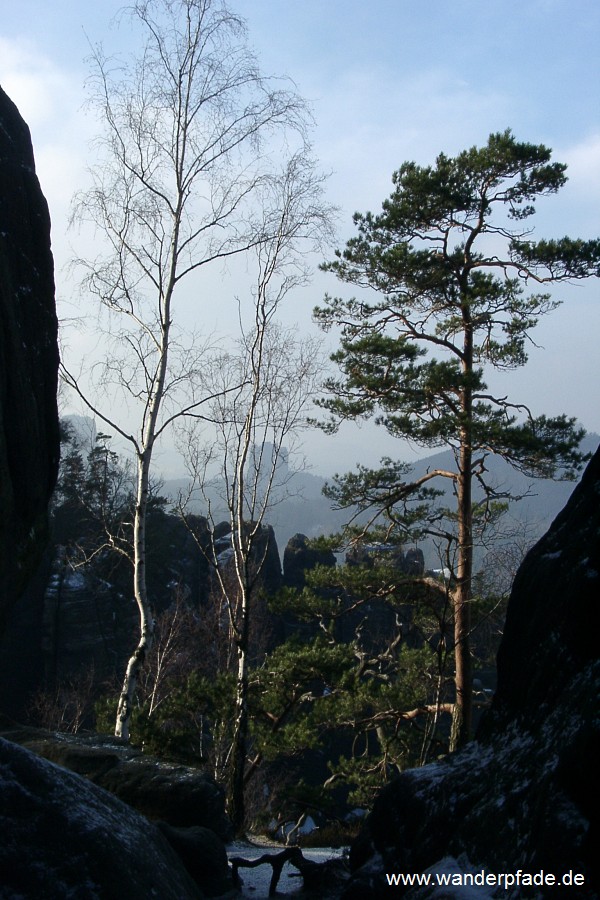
<point>39,87</point>
<point>575,210</point>
<point>370,122</point>
<point>49,96</point>
<point>583,160</point>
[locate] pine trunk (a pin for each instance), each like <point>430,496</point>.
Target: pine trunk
<point>461,720</point>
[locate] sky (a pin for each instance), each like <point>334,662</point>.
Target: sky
<point>388,81</point>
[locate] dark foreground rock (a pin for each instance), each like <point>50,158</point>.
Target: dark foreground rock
<point>522,796</point>
<point>179,795</point>
<point>61,836</point>
<point>204,856</point>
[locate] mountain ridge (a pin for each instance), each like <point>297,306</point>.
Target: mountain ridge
<point>301,507</point>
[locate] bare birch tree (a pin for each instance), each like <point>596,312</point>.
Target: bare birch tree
<point>189,127</point>
<point>262,391</point>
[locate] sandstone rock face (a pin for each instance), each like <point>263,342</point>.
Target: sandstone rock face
<point>29,440</point>
<point>61,836</point>
<point>522,796</point>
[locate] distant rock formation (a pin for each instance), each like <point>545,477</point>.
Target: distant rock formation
<point>88,628</point>
<point>89,621</point>
<point>264,554</point>
<point>372,555</point>
<point>299,557</point>
<point>522,796</point>
<point>29,440</point>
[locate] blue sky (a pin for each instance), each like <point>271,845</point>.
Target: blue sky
<point>388,81</point>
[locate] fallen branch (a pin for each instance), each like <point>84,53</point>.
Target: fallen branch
<point>317,877</point>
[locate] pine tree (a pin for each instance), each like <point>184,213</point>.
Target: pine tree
<point>450,259</point>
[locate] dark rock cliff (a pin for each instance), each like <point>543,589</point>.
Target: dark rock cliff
<point>29,441</point>
<point>551,631</point>
<point>520,797</point>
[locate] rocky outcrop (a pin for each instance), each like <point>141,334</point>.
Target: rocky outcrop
<point>265,553</point>
<point>61,836</point>
<point>178,795</point>
<point>29,440</point>
<point>520,797</point>
<point>299,557</point>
